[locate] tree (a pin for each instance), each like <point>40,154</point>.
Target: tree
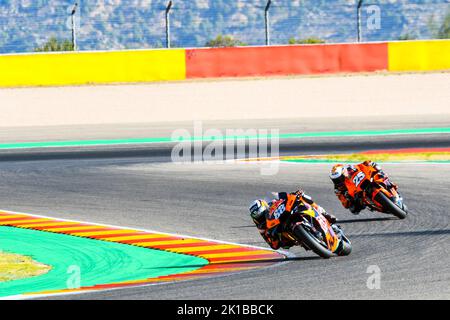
<point>224,41</point>
<point>444,30</point>
<point>55,44</point>
<point>406,37</point>
<point>306,41</point>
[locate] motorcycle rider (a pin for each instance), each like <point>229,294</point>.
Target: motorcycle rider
<point>340,173</point>
<point>260,208</point>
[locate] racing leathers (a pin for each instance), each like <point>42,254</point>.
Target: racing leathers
<point>274,238</point>
<point>355,204</point>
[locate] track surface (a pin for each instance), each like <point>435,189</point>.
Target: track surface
<point>211,201</point>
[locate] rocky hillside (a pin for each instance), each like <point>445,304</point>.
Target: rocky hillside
<point>121,24</point>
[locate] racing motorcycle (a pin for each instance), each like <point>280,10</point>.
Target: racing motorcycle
<point>376,192</point>
<point>305,226</point>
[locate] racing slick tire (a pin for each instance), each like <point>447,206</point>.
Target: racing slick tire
<point>391,207</point>
<point>311,242</point>
<point>345,248</point>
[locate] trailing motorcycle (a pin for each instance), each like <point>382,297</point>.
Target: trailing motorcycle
<point>376,192</point>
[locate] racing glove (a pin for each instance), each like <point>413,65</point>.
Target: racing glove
<point>353,209</point>
<point>357,204</point>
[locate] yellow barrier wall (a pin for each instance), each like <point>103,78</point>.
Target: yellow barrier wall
<point>419,55</point>
<point>54,69</point>
<point>92,67</point>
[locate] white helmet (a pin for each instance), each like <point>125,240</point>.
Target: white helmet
<point>258,209</point>
<point>337,174</point>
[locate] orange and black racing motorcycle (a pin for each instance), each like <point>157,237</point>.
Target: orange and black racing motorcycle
<point>302,224</point>
<point>375,191</point>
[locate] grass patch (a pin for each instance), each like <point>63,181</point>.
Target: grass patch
<point>14,267</point>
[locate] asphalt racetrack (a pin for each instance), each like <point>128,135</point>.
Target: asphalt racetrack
<point>138,186</point>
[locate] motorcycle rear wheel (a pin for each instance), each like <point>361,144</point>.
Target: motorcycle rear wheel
<point>391,207</point>
<point>346,248</point>
<point>311,242</point>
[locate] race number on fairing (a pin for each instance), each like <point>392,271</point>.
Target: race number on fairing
<point>358,178</point>
<point>281,208</point>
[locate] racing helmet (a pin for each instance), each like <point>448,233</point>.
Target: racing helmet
<point>337,174</point>
<point>258,210</point>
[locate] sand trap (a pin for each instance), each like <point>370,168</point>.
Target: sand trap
<point>331,96</point>
<point>14,267</point>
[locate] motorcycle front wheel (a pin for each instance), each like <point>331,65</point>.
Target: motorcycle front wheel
<point>312,242</point>
<point>390,206</point>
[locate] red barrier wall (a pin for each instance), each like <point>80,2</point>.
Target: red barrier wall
<point>285,60</point>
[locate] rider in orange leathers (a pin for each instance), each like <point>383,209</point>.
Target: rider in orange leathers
<point>259,210</point>
<point>340,173</point>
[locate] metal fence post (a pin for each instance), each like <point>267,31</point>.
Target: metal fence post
<point>74,31</point>
<point>267,22</point>
<point>169,6</point>
<point>358,20</point>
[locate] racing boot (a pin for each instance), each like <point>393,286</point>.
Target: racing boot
<point>390,184</point>
<point>331,218</point>
<point>337,229</point>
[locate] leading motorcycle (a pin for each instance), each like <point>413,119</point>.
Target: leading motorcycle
<point>305,226</point>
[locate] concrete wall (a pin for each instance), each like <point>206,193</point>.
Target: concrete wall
<point>49,69</point>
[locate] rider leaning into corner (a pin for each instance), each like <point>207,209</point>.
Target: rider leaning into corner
<point>259,209</point>
<point>341,173</point>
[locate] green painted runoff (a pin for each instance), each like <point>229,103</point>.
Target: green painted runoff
<point>86,143</point>
<point>98,262</point>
